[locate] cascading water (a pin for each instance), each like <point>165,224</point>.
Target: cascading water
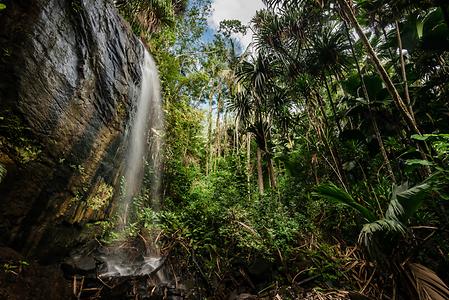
<point>147,122</point>
<point>145,139</point>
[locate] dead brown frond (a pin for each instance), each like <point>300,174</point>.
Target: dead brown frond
<point>426,284</point>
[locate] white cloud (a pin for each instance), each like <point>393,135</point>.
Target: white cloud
<point>242,10</point>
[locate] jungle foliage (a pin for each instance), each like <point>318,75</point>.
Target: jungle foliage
<point>317,159</point>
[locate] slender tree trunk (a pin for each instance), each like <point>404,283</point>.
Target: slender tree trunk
<point>403,72</point>
<point>218,130</point>
<point>334,153</point>
<point>427,170</point>
<point>236,136</point>
<point>259,171</point>
<point>347,10</point>
<point>321,107</point>
<point>209,132</point>
<point>331,101</point>
<point>248,163</point>
<point>271,173</point>
<point>373,119</point>
<point>225,131</point>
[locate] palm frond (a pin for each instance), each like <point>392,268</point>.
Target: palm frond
<point>405,201</point>
<point>383,226</point>
<point>426,284</point>
<point>333,193</point>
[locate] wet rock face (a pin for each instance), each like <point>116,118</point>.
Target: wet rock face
<point>69,71</point>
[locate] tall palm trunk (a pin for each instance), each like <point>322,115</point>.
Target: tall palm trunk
<point>373,119</point>
<point>347,10</point>
<point>427,170</point>
<point>236,138</point>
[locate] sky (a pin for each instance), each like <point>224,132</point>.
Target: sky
<point>242,10</point>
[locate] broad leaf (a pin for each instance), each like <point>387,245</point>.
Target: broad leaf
<point>409,199</point>
<point>333,193</point>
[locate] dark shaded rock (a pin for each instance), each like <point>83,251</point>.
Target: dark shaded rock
<point>80,265</point>
<point>24,280</point>
<point>69,71</point>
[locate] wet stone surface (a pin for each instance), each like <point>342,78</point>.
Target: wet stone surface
<point>68,85</point>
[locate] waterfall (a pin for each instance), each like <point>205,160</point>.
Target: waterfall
<point>145,139</point>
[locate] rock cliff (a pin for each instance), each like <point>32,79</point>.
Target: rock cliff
<point>69,75</point>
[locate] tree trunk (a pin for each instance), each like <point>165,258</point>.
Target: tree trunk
<point>271,169</point>
<point>403,72</point>
<point>209,132</point>
<point>333,152</point>
<point>348,12</point>
<point>373,120</point>
<point>272,173</point>
<point>225,131</point>
<point>334,110</point>
<point>259,171</point>
<point>217,131</point>
<point>248,160</point>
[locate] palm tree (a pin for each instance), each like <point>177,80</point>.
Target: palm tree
<point>346,9</point>
<point>254,109</point>
<point>386,239</point>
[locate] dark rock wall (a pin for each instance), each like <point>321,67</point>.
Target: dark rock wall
<point>69,71</point>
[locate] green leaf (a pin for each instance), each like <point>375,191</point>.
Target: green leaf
<point>419,28</point>
<point>2,6</point>
<point>422,162</point>
<point>333,193</point>
<point>411,199</point>
<point>420,137</point>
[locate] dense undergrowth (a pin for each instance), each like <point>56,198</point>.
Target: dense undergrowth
<point>320,160</point>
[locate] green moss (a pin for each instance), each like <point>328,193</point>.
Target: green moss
<point>101,196</point>
<point>17,137</point>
